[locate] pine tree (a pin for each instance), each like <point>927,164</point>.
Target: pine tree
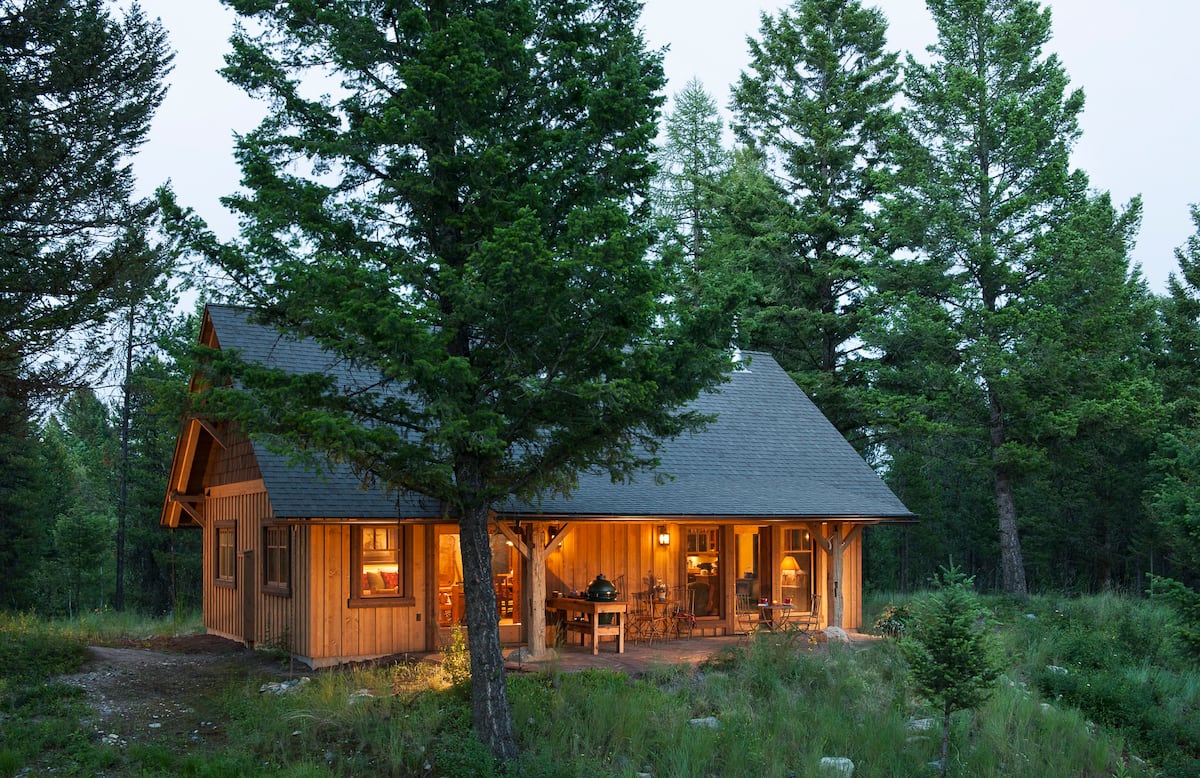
<point>78,88</point>
<point>995,124</point>
<point>952,656</point>
<point>468,218</point>
<point>691,162</point>
<point>816,103</point>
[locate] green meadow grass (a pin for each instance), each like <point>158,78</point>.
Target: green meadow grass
<point>1123,708</point>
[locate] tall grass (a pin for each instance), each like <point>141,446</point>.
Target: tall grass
<point>778,710</point>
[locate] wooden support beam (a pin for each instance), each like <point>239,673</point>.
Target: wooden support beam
<point>536,617</point>
<point>517,541</point>
<point>834,544</point>
<point>211,430</point>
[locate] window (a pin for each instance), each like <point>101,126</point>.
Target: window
<point>226,554</point>
<point>703,577</point>
<point>380,573</point>
<point>277,563</point>
<point>796,573</point>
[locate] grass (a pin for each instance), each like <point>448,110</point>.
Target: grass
<point>780,709</point>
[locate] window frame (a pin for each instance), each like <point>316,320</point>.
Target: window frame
<point>404,540</point>
<point>225,529</point>
<point>277,586</point>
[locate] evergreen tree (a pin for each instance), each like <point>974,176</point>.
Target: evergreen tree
<point>468,218</point>
<point>164,572</point>
<point>691,162</point>
<point>32,493</point>
<point>77,91</point>
<point>1180,361</point>
<point>995,123</point>
<point>1174,497</point>
<point>952,656</point>
<point>817,104</point>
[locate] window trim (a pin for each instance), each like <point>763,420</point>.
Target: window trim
<point>406,596</point>
<point>222,529</point>
<point>279,588</point>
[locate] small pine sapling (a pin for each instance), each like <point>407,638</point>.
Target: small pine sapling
<point>951,654</point>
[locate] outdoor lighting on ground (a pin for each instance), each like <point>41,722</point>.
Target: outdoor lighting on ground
<point>664,537</point>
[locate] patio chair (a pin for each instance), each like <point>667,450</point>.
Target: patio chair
<point>646,621</point>
<point>804,624</point>
<point>683,617</point>
<point>747,613</point>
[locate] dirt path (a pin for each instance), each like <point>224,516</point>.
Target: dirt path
<point>163,690</point>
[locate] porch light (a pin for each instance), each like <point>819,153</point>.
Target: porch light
<point>664,537</point>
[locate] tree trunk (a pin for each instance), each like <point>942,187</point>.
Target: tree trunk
<point>490,712</point>
<point>1012,566</point>
<point>945,740</point>
<point>123,492</point>
<point>834,546</point>
<point>535,619</point>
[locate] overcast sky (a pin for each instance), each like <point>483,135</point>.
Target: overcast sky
<point>1134,59</point>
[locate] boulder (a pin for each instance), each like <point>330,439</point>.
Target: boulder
<point>839,766</point>
<point>836,635</point>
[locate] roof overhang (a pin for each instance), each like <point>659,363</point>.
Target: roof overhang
<point>184,503</point>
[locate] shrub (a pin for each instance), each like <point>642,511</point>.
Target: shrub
<point>893,621</point>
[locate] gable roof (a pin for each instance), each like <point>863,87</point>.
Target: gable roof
<point>769,454</point>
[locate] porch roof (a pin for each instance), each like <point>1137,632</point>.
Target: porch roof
<point>770,454</point>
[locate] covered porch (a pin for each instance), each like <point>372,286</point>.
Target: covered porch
<point>698,572</point>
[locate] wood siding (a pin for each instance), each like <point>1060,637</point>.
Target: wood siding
<point>628,554</point>
<point>224,604</point>
<point>235,464</point>
<point>333,632</point>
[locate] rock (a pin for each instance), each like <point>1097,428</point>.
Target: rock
<point>283,687</point>
<point>522,655</point>
<point>921,725</point>
<point>361,694</point>
<point>708,722</point>
<point>836,765</point>
<point>836,635</point>
<point>1031,616</point>
<point>1057,670</point>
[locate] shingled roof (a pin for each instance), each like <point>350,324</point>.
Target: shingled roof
<point>770,454</point>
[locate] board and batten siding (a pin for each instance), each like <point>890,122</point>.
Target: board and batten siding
<point>628,554</point>
<point>244,506</point>
<point>333,632</point>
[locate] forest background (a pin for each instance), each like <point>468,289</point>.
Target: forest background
<point>907,238</point>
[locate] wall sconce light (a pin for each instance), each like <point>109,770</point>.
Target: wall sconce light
<point>664,537</point>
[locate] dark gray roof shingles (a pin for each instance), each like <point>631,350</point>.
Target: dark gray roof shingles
<point>770,453</point>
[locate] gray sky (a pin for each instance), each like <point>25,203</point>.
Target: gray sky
<point>1133,59</point>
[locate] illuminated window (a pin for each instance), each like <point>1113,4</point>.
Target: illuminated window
<point>379,564</point>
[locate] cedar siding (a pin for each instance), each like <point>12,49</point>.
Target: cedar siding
<point>768,470</point>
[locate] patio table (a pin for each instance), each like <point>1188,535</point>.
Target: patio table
<point>776,615</point>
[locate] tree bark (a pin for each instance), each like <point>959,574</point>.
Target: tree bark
<point>535,619</point>
<point>490,712</point>
<point>834,545</point>
<point>1012,566</point>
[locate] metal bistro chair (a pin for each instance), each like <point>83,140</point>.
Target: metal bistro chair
<point>646,622</point>
<point>805,624</point>
<point>683,617</point>
<point>747,613</point>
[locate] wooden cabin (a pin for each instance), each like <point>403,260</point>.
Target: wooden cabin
<point>768,501</point>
